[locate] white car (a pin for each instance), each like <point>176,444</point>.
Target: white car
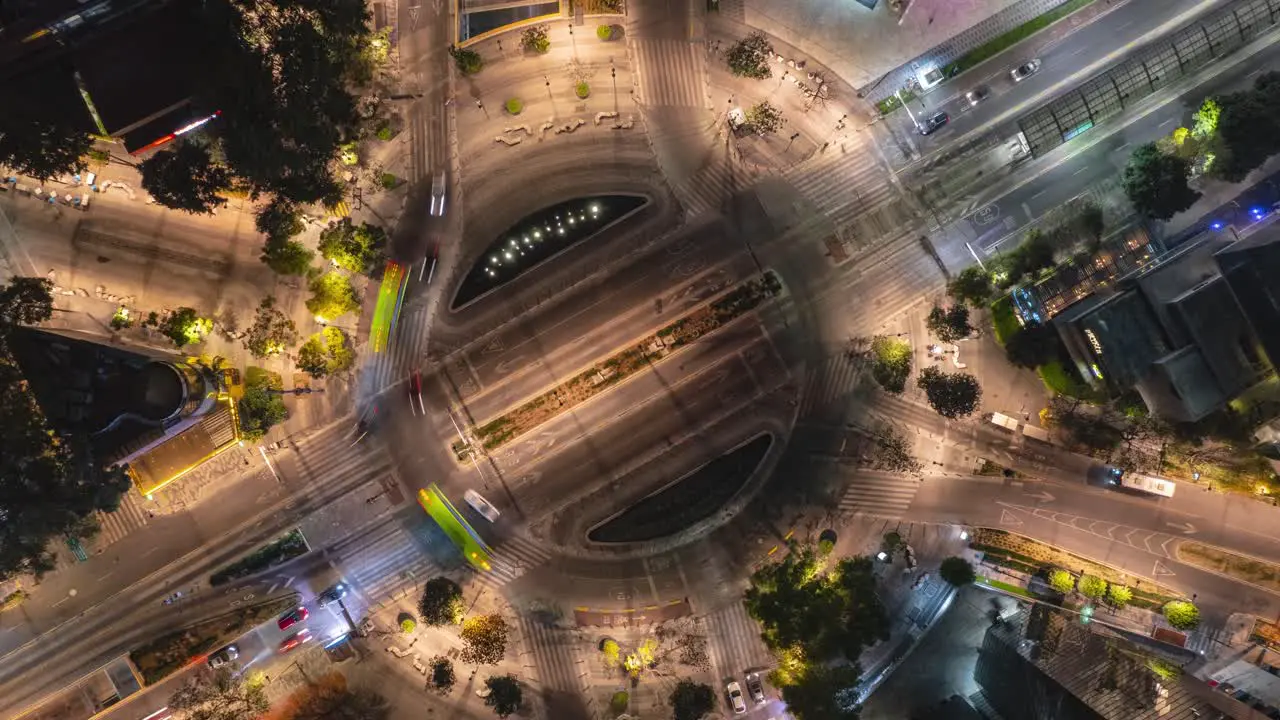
<point>438,189</point>
<point>735,697</point>
<point>482,506</point>
<point>1025,70</point>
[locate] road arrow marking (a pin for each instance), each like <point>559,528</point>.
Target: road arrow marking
<point>1185,528</point>
<point>505,366</point>
<point>1160,570</point>
<point>1008,518</point>
<point>1042,496</point>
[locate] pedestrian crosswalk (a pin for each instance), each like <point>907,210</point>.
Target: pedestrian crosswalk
<point>130,516</point>
<point>1208,639</point>
<point>387,563</point>
<point>886,495</point>
<point>831,383</point>
<point>404,352</point>
<point>555,655</point>
<point>708,188</point>
<point>733,638</point>
<point>843,185</point>
<point>511,559</point>
<point>672,73</point>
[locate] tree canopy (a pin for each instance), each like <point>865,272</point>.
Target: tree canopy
<point>287,257</point>
<point>1181,614</point>
<point>272,331</point>
<point>504,695</point>
<point>184,326</point>
<point>1032,346</point>
<point>691,700</point>
<point>441,602</point>
<point>279,220</point>
<point>972,285</point>
<point>334,701</point>
<point>442,676</point>
<point>260,408</point>
<point>952,395</point>
<point>815,694</point>
<point>328,352</point>
<point>484,639</point>
<point>890,363</point>
<point>749,57</point>
<point>332,296</point>
<point>764,117</point>
<point>25,301</point>
<point>38,134</point>
<point>219,695</point>
<point>354,248</point>
<point>186,178</point>
<point>949,325</point>
<point>956,571</point>
<point>800,603</point>
<point>893,452</point>
<point>1156,183</point>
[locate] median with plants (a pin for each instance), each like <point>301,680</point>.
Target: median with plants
<point>600,377</point>
<point>279,551</point>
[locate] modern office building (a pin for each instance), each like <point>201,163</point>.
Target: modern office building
<point>1251,268</point>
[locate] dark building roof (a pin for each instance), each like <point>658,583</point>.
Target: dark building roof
<point>1251,268</point>
<point>1124,335</point>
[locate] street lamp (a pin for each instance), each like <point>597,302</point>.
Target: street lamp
<point>573,40</point>
<point>613,73</point>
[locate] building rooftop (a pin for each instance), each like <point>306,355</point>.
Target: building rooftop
<point>168,461</point>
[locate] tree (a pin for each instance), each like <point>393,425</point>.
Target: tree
<point>749,57</point>
<point>184,326</point>
<point>312,358</point>
<point>333,701</point>
<point>764,117</point>
<point>1156,183</point>
<point>259,407</point>
<point>328,352</point>
<point>353,248</point>
<point>1061,580</point>
<point>441,602</point>
<point>467,61</point>
<point>826,614</point>
<point>504,695</point>
<point>813,696</point>
<point>949,325</point>
<point>957,571</point>
<point>1119,595</point>
<point>1033,254</point>
<point>1089,223</point>
<point>484,639</point>
<point>279,220</point>
<point>38,137</point>
<point>890,363</point>
<point>442,676</point>
<point>535,38</point>
<point>972,285</point>
<point>691,700</point>
<point>287,257</point>
<point>25,301</point>
<point>1181,614</point>
<point>612,653</point>
<point>49,482</point>
<point>272,331</point>
<point>1032,346</point>
<point>185,178</point>
<point>332,296</point>
<point>893,452</point>
<point>1092,586</point>
<point>220,695</point>
<point>952,395</point>
<point>1246,129</point>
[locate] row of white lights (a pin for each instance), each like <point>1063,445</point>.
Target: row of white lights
<point>513,249</point>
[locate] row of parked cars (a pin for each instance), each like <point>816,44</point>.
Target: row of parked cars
<point>929,125</point>
<point>290,619</point>
<point>754,687</point>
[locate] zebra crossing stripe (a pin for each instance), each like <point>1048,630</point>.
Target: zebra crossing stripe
<point>879,496</point>
<point>672,73</point>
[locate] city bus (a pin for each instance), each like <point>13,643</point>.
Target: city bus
<point>390,296</point>
<point>1142,483</point>
<point>473,548</point>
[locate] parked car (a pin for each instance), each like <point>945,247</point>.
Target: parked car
<point>933,122</point>
<point>1025,70</point>
<point>977,95</point>
<point>735,697</point>
<point>293,617</point>
<point>482,506</point>
<point>224,656</point>
<point>294,640</point>
<point>332,595</point>
<point>755,687</point>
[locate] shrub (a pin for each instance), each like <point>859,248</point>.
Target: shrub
<point>468,62</point>
<point>388,181</point>
<point>514,106</point>
<point>1061,580</point>
<point>618,703</point>
<point>1181,614</point>
<point>604,32</point>
<point>407,626</point>
<point>892,540</point>
<point>1119,595</point>
<point>385,133</point>
<point>535,38</point>
<point>582,90</point>
<point>1092,586</point>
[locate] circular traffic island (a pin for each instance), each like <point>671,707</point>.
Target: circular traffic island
<point>687,501</point>
<point>539,237</point>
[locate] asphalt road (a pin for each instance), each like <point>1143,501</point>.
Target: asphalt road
<point>1079,56</point>
<point>1000,219</point>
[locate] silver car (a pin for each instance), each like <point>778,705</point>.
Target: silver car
<point>1025,70</point>
<point>438,190</point>
<point>482,506</point>
<point>735,697</point>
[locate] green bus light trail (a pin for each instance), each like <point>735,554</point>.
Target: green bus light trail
<point>390,297</point>
<point>458,529</point>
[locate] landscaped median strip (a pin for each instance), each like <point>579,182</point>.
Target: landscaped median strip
<point>1258,573</point>
<point>600,377</point>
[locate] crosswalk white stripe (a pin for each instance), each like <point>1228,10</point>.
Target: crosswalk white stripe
<point>671,73</point>
<point>116,525</point>
<point>735,640</point>
<point>882,496</point>
<point>556,656</point>
<point>835,378</point>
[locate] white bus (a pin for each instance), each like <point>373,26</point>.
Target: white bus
<point>1146,484</point>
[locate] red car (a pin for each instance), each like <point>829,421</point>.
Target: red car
<point>415,393</point>
<point>294,640</point>
<point>293,617</point>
